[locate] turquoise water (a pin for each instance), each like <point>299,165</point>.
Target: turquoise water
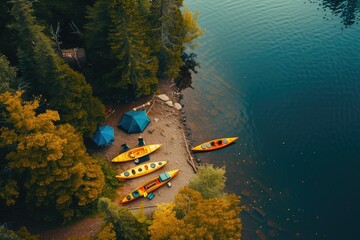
<point>284,77</point>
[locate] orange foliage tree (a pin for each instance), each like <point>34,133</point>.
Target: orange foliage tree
<point>195,217</point>
<point>46,164</point>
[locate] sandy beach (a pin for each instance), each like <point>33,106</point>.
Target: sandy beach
<point>166,128</point>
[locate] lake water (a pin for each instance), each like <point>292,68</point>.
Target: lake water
<point>284,76</point>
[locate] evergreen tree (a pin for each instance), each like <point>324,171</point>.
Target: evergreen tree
<point>116,40</point>
<point>24,233</point>
<point>7,36</point>
<point>7,74</point>
<point>47,162</point>
<point>111,183</point>
<point>65,90</point>
<point>67,13</point>
<point>21,234</point>
<point>209,181</point>
<point>125,225</point>
<point>144,7</point>
<point>6,234</point>
<point>127,40</point>
<point>168,35</point>
<point>107,232</point>
<point>60,10</point>
<point>98,50</point>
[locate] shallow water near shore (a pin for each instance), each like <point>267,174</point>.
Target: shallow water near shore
<point>284,76</point>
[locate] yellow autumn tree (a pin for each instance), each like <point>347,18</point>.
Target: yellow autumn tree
<point>192,29</point>
<point>164,215</point>
<point>194,217</point>
<point>123,222</point>
<point>47,161</point>
<point>107,232</point>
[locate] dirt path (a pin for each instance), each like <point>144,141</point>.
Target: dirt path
<point>86,227</point>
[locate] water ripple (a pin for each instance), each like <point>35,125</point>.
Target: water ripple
<point>284,76</point>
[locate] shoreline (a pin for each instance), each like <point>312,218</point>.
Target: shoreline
<point>167,127</point>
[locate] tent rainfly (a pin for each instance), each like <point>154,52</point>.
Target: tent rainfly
<point>134,121</point>
<point>104,135</point>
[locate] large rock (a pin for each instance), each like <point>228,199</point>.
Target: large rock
<point>177,106</point>
<point>170,103</point>
<point>163,97</point>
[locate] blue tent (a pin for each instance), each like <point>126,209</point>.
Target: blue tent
<point>134,121</point>
<point>104,135</point>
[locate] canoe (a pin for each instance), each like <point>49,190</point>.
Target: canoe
<point>150,185</point>
<point>214,144</point>
<point>135,153</point>
<point>141,170</point>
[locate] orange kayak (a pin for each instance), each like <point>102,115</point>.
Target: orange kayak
<point>214,144</point>
<point>149,186</point>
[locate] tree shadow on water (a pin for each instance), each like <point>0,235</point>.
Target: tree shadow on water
<point>185,79</point>
<point>347,10</point>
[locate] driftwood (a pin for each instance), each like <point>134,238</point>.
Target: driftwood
<point>190,159</point>
<point>142,106</point>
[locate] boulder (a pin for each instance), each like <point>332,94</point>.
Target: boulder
<point>163,97</point>
<point>177,106</point>
<point>170,103</point>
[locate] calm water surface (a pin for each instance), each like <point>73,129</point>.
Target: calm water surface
<point>284,76</point>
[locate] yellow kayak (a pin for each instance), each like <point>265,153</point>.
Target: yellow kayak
<point>214,144</point>
<point>135,153</point>
<point>149,186</point>
<point>141,170</point>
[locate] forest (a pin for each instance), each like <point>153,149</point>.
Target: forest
<point>61,62</point>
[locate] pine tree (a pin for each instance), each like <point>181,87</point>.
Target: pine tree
<point>7,234</point>
<point>128,31</point>
<point>210,181</point>
<point>116,40</point>
<point>98,50</point>
<point>107,232</point>
<point>7,36</point>
<point>168,35</point>
<point>50,13</point>
<point>7,74</point>
<point>21,234</point>
<point>47,161</point>
<point>64,89</point>
<point>125,225</point>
